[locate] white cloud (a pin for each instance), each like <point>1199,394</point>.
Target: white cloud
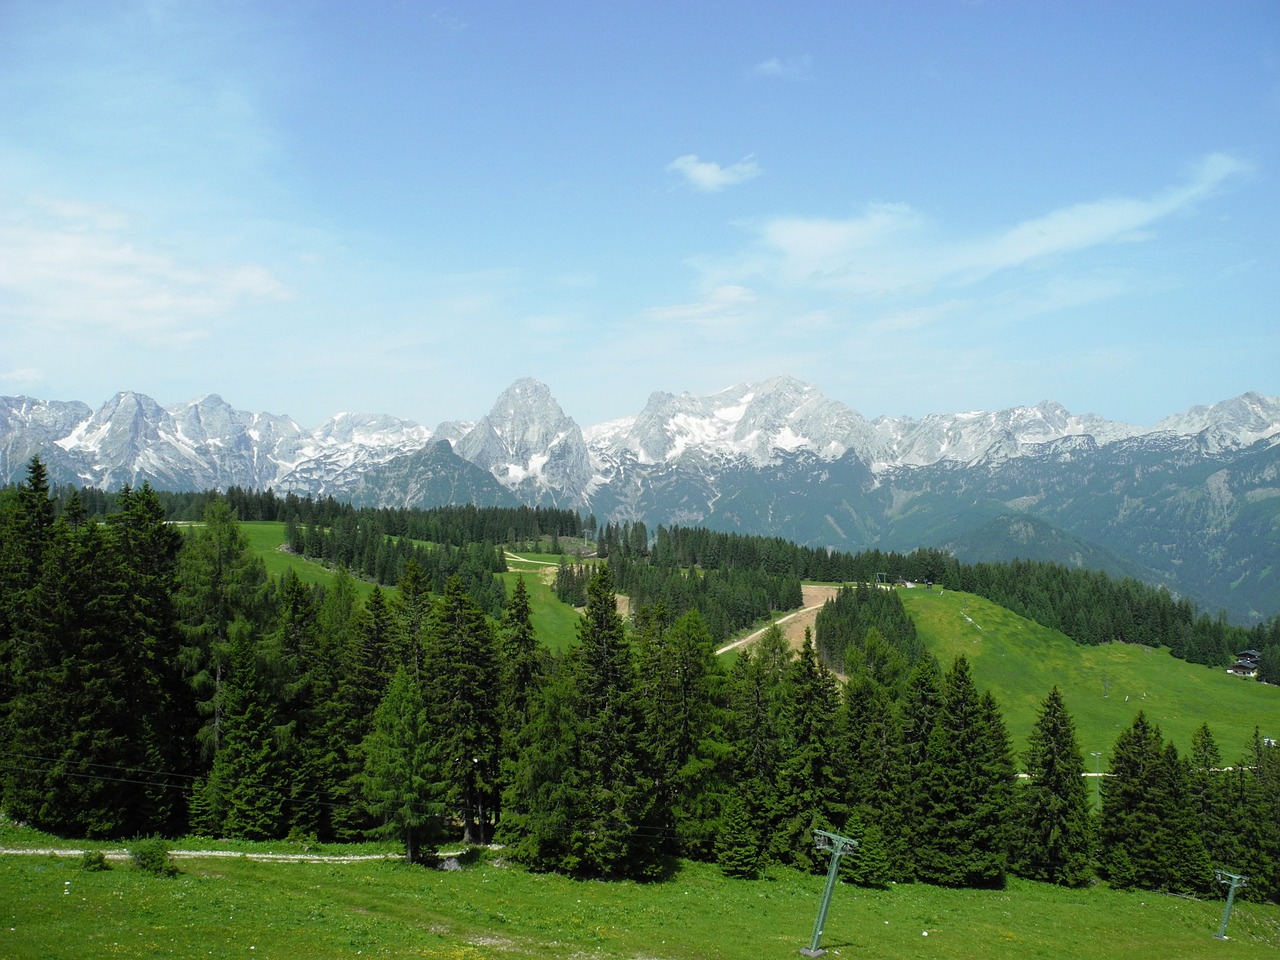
<point>791,68</point>
<point>65,264</point>
<point>723,306</point>
<point>21,375</point>
<point>709,177</point>
<point>893,249</point>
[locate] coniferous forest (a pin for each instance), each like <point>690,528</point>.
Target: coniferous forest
<point>155,680</point>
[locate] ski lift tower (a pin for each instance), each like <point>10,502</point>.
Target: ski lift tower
<point>838,846</point>
<point>1237,881</point>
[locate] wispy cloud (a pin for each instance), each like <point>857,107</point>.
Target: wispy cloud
<point>68,264</point>
<point>789,68</point>
<point>894,249</point>
<point>709,177</point>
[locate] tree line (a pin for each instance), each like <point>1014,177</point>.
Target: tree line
<point>158,681</point>
<point>1088,606</point>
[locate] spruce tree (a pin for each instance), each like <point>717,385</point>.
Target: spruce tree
<point>739,851</point>
<point>542,823</point>
<point>965,789</point>
<point>521,667</point>
<point>919,716</point>
<point>754,723</point>
<point>872,748</point>
<point>618,833</point>
<point>1054,824</point>
<point>1209,798</point>
<point>811,781</point>
<point>249,771</point>
<point>401,777</point>
<point>221,588</point>
<point>683,728</point>
<point>1149,835</point>
<point>461,686</point>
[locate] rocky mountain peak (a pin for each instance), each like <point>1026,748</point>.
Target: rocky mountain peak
<point>528,439</point>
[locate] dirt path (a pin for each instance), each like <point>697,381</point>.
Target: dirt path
<point>204,854</point>
<point>793,624</point>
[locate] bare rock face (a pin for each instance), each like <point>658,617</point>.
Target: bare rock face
<point>530,444</point>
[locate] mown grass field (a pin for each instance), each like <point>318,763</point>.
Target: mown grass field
<point>1104,686</point>
<point>51,908</point>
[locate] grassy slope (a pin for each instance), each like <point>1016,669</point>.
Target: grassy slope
<point>267,537</point>
<point>225,908</point>
<point>1019,661</point>
<point>555,623</point>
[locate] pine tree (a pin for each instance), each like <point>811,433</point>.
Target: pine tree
<point>221,586</point>
<point>620,813</point>
<point>872,747</point>
<point>1208,792</point>
<point>811,781</point>
<point>401,778</point>
<point>461,685</point>
<point>683,728</point>
<point>522,666</point>
<point>248,769</point>
<point>411,610</point>
<point>754,724</point>
<point>919,716</point>
<point>965,789</point>
<point>1149,834</point>
<point>1186,864</point>
<point>542,822</point>
<point>868,865</point>
<point>1054,824</point>
<point>161,709</point>
<point>739,851</point>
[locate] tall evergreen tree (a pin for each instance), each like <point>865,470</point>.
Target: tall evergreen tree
<point>401,777</point>
<point>1054,823</point>
<point>872,748</point>
<point>965,789</point>
<point>522,666</point>
<point>757,700</point>
<point>245,793</point>
<point>221,587</point>
<point>1209,797</point>
<point>161,705</point>
<point>461,684</point>
<point>919,716</point>
<point>683,728</point>
<point>811,780</point>
<point>1149,836</point>
<point>621,816</point>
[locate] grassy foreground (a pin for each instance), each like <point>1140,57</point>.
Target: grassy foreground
<point>51,908</point>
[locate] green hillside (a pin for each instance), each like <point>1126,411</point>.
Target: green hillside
<point>267,537</point>
<point>1019,660</point>
<point>1104,686</point>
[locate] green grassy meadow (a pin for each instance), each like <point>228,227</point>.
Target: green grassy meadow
<point>1104,686</point>
<point>51,908</point>
<point>267,537</point>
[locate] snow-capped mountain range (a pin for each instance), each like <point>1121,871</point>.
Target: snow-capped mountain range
<point>531,446</point>
<point>775,457</point>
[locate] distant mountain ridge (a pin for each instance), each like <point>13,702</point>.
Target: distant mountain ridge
<point>1193,501</point>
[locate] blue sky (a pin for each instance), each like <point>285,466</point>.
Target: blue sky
<point>401,207</point>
